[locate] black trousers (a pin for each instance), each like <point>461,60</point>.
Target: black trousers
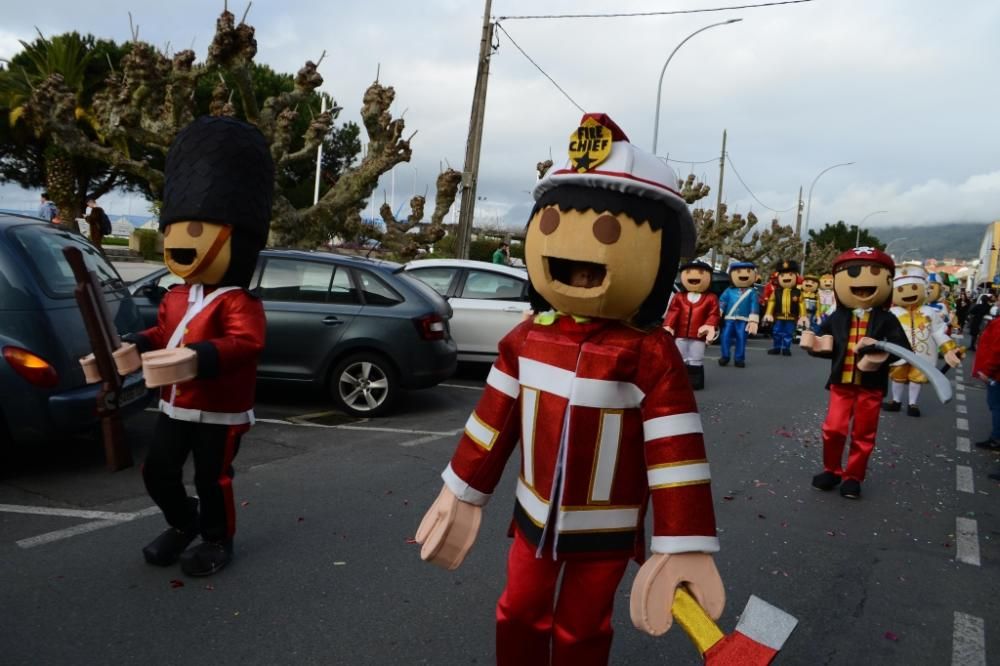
<point>213,447</point>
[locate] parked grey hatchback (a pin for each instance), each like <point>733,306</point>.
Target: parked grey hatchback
<point>359,328</point>
<point>42,336</point>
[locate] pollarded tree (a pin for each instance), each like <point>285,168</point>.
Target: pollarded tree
<point>405,238</point>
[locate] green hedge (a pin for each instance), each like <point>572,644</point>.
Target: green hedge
<point>119,242</point>
<point>147,243</point>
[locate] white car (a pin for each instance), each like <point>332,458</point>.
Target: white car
<point>488,300</point>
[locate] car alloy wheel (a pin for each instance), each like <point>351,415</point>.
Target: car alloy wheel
<point>364,385</point>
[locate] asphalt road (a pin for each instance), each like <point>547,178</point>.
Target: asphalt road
<point>326,573</point>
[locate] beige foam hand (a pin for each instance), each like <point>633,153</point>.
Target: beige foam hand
<point>448,530</point>
<point>952,358</point>
<point>657,580</point>
<point>708,332</point>
<point>752,328</point>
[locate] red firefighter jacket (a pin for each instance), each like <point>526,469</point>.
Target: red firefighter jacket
<point>685,317</point>
<point>228,336</point>
<point>606,418</point>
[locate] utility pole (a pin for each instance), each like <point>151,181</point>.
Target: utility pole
<point>470,173</point>
<point>718,194</point>
<point>798,216</point>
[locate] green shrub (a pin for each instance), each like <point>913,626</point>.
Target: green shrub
<point>147,243</point>
<point>118,242</point>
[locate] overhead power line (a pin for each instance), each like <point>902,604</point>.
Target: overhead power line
<point>539,68</point>
<point>663,13</point>
<point>747,188</point>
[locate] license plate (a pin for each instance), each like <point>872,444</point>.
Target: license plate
<point>132,393</point>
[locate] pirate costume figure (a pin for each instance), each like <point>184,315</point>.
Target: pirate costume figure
<point>810,296</point>
<point>597,394</point>
<point>926,332</point>
<point>862,283</point>
<point>209,332</point>
<point>693,319</point>
<point>740,312</point>
<point>785,307</point>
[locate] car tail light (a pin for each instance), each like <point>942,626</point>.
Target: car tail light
<point>31,367</point>
<point>430,327</point>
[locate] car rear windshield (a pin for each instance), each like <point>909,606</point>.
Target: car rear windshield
<point>42,246</point>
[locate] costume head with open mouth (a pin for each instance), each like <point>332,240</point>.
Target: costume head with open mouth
<point>810,285</point>
<point>909,286</point>
<point>862,278</point>
<point>607,230</point>
<point>788,273</point>
<point>696,276</point>
<point>935,288</point>
<point>742,274</point>
<point>217,192</point>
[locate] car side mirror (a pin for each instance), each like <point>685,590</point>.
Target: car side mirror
<point>152,291</point>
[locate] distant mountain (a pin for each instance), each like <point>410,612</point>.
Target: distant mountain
<point>960,240</point>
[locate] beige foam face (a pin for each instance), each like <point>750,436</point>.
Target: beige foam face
<point>561,244</point>
<point>787,280</point>
<point>870,288</point>
<point>696,280</point>
<point>743,277</point>
<point>211,247</point>
<point>910,295</point>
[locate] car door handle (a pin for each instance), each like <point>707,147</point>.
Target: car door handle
<point>332,321</point>
<point>513,309</point>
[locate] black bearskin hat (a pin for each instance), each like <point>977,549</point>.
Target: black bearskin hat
<point>220,170</point>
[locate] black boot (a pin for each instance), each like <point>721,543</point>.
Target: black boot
<point>166,548</point>
<point>696,373</point>
<point>913,410</point>
<point>206,558</point>
<point>723,361</point>
<point>786,352</point>
<point>774,351</point>
<point>826,481</point>
<point>891,406</point>
<point>851,489</point>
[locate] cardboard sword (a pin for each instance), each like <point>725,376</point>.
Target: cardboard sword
<point>942,387</point>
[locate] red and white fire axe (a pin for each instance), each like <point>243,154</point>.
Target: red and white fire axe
<point>760,633</point>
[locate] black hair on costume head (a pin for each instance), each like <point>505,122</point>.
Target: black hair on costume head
<point>644,211</point>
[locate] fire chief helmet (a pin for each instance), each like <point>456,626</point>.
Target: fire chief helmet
<point>219,176</point>
<point>612,212</point>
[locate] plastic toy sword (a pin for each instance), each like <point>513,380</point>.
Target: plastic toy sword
<point>942,387</point>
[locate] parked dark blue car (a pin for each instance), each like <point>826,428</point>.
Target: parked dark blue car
<point>42,335</point>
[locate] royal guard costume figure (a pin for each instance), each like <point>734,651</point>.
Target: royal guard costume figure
<point>810,296</point>
<point>825,296</point>
<point>215,218</point>
<point>693,319</point>
<point>597,394</point>
<point>926,332</point>
<point>863,284</point>
<point>785,308</point>
<point>740,312</point>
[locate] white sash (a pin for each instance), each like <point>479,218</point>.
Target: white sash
<point>743,297</point>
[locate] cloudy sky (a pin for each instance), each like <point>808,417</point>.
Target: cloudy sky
<point>905,89</point>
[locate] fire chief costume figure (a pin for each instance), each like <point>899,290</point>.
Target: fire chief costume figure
<point>740,312</point>
<point>209,332</point>
<point>926,331</point>
<point>598,396</point>
<point>693,319</point>
<point>785,307</point>
<point>862,280</point>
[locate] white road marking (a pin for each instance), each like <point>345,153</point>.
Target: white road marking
<point>960,396</point>
<point>961,409</point>
<point>962,424</point>
<point>424,440</point>
<point>84,528</point>
<point>963,444</point>
<point>967,536</point>
<point>963,479</point>
<point>407,431</point>
<point>968,647</point>
<point>65,513</point>
<point>463,386</point>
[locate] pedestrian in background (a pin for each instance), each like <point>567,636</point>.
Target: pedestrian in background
<point>976,314</point>
<point>962,306</point>
<point>502,254</point>
<point>987,369</point>
<point>98,222</point>
<point>47,210</point>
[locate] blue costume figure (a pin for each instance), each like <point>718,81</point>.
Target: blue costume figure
<point>740,312</point>
<point>785,307</point>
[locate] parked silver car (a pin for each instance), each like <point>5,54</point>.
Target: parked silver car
<point>488,300</point>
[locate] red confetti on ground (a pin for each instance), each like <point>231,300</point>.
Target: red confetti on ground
<point>831,533</point>
<point>301,519</point>
<point>783,433</point>
<point>209,587</point>
<point>388,492</point>
<point>410,540</point>
<point>889,636</point>
<point>176,583</point>
<point>244,503</point>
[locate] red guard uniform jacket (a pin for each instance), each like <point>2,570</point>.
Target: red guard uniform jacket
<point>685,317</point>
<point>228,335</point>
<point>606,418</point>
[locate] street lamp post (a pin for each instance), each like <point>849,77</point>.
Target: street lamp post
<point>857,236</point>
<point>809,207</point>
<point>659,87</point>
<point>894,240</point>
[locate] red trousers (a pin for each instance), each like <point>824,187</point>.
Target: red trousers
<point>864,404</point>
<point>577,631</point>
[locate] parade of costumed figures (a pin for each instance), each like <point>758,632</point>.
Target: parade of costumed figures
<point>785,308</point>
<point>740,313</point>
<point>693,319</point>
<point>826,299</point>
<point>927,334</point>
<point>857,383</point>
<point>597,395</point>
<point>209,333</point>
<point>810,296</point>
<point>936,299</point>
